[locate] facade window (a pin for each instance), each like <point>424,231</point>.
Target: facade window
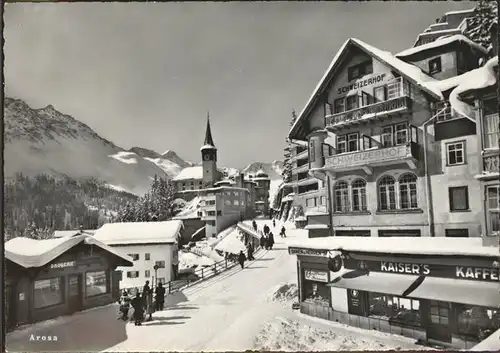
<point>401,133</point>
<point>491,131</point>
<point>132,274</point>
<point>147,274</point>
<point>48,292</point>
<point>387,193</point>
<point>435,65</point>
<point>387,133</point>
<point>396,310</point>
<point>493,209</point>
<point>134,257</point>
<point>322,200</point>
<point>200,214</point>
<point>459,198</point>
<point>380,93</point>
<point>359,195</point>
<point>394,135</point>
<point>147,257</point>
<point>475,321</point>
<point>352,142</point>
<point>339,105</point>
<point>408,191</point>
<point>360,70</point>
<point>342,144</point>
<point>456,233</point>
<point>311,202</point>
<point>328,109</point>
<point>455,153</point>
<point>351,102</point>
<point>312,154</point>
<point>160,264</point>
<point>96,283</point>
<point>341,197</point>
<point>219,213</point>
<point>440,312</point>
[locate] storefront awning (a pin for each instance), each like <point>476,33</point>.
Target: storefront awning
<point>458,291</point>
<point>374,282</point>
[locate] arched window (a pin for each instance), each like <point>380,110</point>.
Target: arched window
<point>408,191</point>
<point>359,195</point>
<point>341,197</point>
<point>387,193</point>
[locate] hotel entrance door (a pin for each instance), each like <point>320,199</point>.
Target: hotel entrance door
<point>439,321</point>
<point>74,293</point>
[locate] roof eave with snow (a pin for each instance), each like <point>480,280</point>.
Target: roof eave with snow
<point>128,233</point>
<point>207,147</point>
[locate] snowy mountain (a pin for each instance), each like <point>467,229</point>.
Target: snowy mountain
<point>47,141</point>
<point>273,169</point>
<point>169,161</point>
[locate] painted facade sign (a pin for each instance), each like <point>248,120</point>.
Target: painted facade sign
<point>63,264</point>
<point>394,104</point>
<point>368,157</point>
<point>310,252</point>
<point>431,270</point>
<point>315,275</point>
<point>361,83</point>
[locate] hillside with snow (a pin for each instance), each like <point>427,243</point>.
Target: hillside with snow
<point>46,141</point>
<point>273,169</point>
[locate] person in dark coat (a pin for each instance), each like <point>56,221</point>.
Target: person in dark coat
<point>262,241</point>
<point>147,295</point>
<point>160,296</point>
<point>250,252</point>
<point>146,288</point>
<point>241,258</point>
<point>270,240</point>
<point>254,225</point>
<point>282,233</point>
<point>138,305</point>
<point>266,229</point>
<point>274,223</point>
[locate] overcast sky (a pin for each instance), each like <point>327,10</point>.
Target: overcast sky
<point>145,74</point>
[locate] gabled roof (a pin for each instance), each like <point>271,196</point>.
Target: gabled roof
<point>410,72</point>
<point>28,252</point>
<point>139,232</point>
<point>72,233</point>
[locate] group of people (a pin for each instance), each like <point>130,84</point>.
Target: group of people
<point>267,240</point>
<point>142,303</point>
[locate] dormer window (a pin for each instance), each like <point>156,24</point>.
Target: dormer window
<point>435,65</point>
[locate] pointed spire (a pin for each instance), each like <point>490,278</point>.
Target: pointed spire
<point>208,134</point>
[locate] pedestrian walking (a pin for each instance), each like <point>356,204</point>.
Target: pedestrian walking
<point>160,296</point>
<point>241,259</point>
<point>266,229</point>
<point>283,232</point>
<point>274,223</point>
<point>271,240</point>
<point>254,225</point>
<point>138,305</point>
<point>124,306</point>
<point>262,241</point>
<point>147,295</point>
<point>250,252</point>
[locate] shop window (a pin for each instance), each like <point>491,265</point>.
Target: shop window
<point>134,257</point>
<point>147,273</point>
<point>396,310</point>
<point>491,131</point>
<point>339,105</point>
<point>341,191</point>
<point>359,195</point>
<point>408,191</point>
<point>435,65</point>
<point>311,202</point>
<point>147,256</point>
<point>96,283</point>
<point>132,274</point>
<point>477,322</point>
<point>456,233</point>
<point>440,312</point>
<point>316,292</point>
<point>48,292</point>
<point>455,153</point>
<point>160,264</point>
<point>387,193</point>
<point>459,198</point>
<point>493,209</point>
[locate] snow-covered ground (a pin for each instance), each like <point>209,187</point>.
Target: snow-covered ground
<point>249,309</point>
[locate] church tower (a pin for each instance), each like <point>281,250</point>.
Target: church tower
<point>209,158</point>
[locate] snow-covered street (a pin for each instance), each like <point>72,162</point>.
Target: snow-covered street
<point>234,311</point>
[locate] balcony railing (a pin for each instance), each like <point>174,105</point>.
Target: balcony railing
<point>301,155</point>
<point>398,101</point>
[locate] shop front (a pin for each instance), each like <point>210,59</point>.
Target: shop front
<point>453,301</point>
<point>73,275</point>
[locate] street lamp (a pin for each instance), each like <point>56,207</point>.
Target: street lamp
<point>155,267</point>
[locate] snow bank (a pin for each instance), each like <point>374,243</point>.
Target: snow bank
<point>189,260</point>
<point>284,293</point>
<point>231,243</point>
<point>482,77</point>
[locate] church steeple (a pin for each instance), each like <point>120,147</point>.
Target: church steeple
<point>208,134</point>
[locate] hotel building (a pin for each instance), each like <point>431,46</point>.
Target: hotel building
<point>399,160</point>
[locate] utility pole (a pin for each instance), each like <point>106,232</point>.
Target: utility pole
<point>329,197</point>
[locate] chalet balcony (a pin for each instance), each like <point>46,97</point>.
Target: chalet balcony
<point>301,168</point>
<point>398,102</point>
<point>374,157</point>
<point>301,155</point>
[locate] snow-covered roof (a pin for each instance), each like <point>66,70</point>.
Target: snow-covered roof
<point>441,42</point>
<point>190,173</point>
<point>317,226</point>
<point>300,218</point>
<point>477,79</point>
<point>207,147</point>
<point>28,252</point>
<point>139,232</point>
<point>225,181</point>
<point>471,11</point>
<point>402,245</point>
<point>261,178</point>
<point>260,202</point>
<point>71,233</point>
<point>413,73</point>
<point>231,243</point>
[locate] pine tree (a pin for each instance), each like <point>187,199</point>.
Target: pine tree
<point>478,26</point>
